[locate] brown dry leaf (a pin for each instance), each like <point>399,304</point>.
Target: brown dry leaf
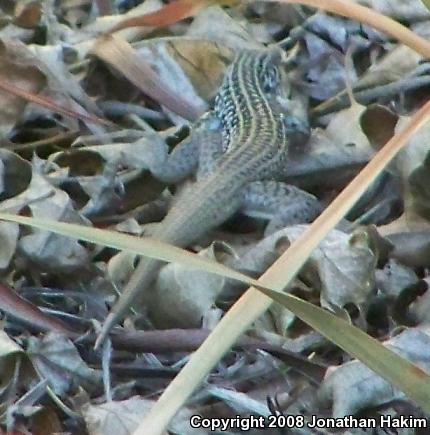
<point>378,124</point>
<point>272,19</point>
<point>243,402</point>
<point>411,247</point>
<point>394,277</point>
<point>83,161</point>
<point>351,128</point>
<point>343,385</point>
<point>163,58</point>
<point>65,91</point>
<point>182,297</point>
<point>10,31</point>
<point>399,9</point>
<point>27,13</point>
<point>17,67</point>
<point>325,70</point>
<point>285,14</point>
<point>99,187</point>
<point>120,55</point>
<point>413,165</point>
<point>8,346</point>
<point>57,360</point>
<point>49,251</point>
<point>337,150</point>
<point>419,187</point>
<point>84,39</point>
<point>346,268</point>
<point>169,14</point>
<point>8,241</point>
<point>344,264</point>
<point>38,65</point>
<point>105,192</point>
<point>215,25</point>
<point>344,128</point>
<point>419,310</point>
<point>15,174</point>
<point>38,189</point>
<point>46,421</point>
<point>110,173</point>
<point>324,156</point>
<point>198,57</point>
<point>122,418</point>
<point>397,63</point>
<point>203,63</point>
<point>12,304</point>
<point>409,159</point>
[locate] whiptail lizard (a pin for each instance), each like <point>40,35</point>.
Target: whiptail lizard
<point>237,150</point>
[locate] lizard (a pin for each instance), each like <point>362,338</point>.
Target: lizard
<point>238,150</point>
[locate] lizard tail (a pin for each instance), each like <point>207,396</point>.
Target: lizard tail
<point>137,286</point>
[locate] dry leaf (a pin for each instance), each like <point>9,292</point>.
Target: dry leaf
<point>17,67</point>
<point>57,360</point>
<point>203,63</point>
<point>394,278</point>
<point>27,13</point>
<point>119,54</point>
<point>122,418</point>
<point>49,251</point>
<point>214,24</point>
<point>410,11</point>
<point>344,264</point>
<point>353,387</point>
<point>182,297</point>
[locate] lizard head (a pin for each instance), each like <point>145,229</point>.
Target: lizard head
<point>268,67</point>
<point>297,129</point>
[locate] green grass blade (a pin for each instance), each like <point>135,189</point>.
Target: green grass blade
<point>138,245</point>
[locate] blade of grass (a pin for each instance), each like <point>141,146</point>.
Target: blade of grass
<point>253,303</point>
<point>138,245</point>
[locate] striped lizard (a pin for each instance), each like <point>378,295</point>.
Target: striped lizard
<point>237,150</point>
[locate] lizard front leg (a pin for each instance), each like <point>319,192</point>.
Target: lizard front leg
<point>184,159</point>
<point>211,148</point>
<point>281,204</point>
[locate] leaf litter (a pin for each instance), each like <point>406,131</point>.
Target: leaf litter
<point>147,85</point>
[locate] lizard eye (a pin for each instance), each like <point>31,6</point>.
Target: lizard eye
<point>292,123</point>
<point>270,78</point>
<point>297,129</point>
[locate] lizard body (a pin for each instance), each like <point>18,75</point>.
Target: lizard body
<point>242,142</point>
